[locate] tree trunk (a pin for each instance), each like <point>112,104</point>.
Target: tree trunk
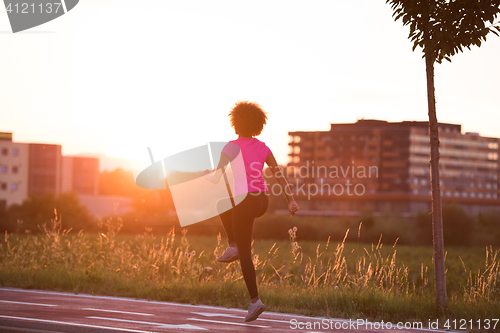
<point>437,216</point>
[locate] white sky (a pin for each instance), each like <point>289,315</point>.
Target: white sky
<point>117,76</point>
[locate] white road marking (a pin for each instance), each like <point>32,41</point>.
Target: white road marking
<point>134,313</point>
<point>210,314</point>
<point>152,302</point>
<point>227,322</point>
<point>290,315</point>
<point>75,324</point>
<point>185,326</point>
<point>25,303</point>
<point>126,299</point>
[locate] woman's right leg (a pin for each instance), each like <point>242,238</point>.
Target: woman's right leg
<point>243,230</point>
<point>244,216</point>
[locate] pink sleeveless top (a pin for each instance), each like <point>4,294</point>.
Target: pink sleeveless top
<point>247,156</point>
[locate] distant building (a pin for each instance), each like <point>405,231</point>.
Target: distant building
<point>67,174</point>
<point>34,168</point>
<point>80,174</point>
<point>389,167</point>
<point>44,169</point>
<point>14,170</point>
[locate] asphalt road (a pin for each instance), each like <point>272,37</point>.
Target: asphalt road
<point>38,311</point>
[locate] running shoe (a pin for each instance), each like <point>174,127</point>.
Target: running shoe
<point>254,310</point>
<point>230,255</point>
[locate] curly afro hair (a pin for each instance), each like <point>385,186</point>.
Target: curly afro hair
<point>247,118</point>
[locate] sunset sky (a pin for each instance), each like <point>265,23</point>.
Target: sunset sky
<point>117,76</point>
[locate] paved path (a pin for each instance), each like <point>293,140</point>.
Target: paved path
<point>37,311</point>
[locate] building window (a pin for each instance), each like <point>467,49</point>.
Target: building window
<point>493,156</point>
<point>3,186</point>
<point>3,169</point>
<point>15,152</point>
<point>15,169</point>
<point>5,151</point>
<point>13,187</point>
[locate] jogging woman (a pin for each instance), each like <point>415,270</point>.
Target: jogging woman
<point>251,196</point>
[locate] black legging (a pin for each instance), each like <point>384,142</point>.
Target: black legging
<point>238,224</point>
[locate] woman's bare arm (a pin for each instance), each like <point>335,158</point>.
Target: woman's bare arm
<point>215,177</point>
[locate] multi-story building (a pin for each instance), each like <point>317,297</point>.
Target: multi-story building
<point>33,168</point>
<point>14,170</point>
<point>44,168</point>
<point>80,174</point>
<point>389,165</point>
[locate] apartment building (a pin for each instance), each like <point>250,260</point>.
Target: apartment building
<point>35,168</point>
<point>80,174</point>
<point>389,162</point>
<point>44,168</point>
<point>14,169</point>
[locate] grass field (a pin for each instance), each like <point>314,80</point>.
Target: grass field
<point>377,281</point>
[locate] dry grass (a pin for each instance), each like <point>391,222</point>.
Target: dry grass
<point>328,283</point>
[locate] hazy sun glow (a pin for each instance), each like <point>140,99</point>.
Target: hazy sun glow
<point>114,78</point>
